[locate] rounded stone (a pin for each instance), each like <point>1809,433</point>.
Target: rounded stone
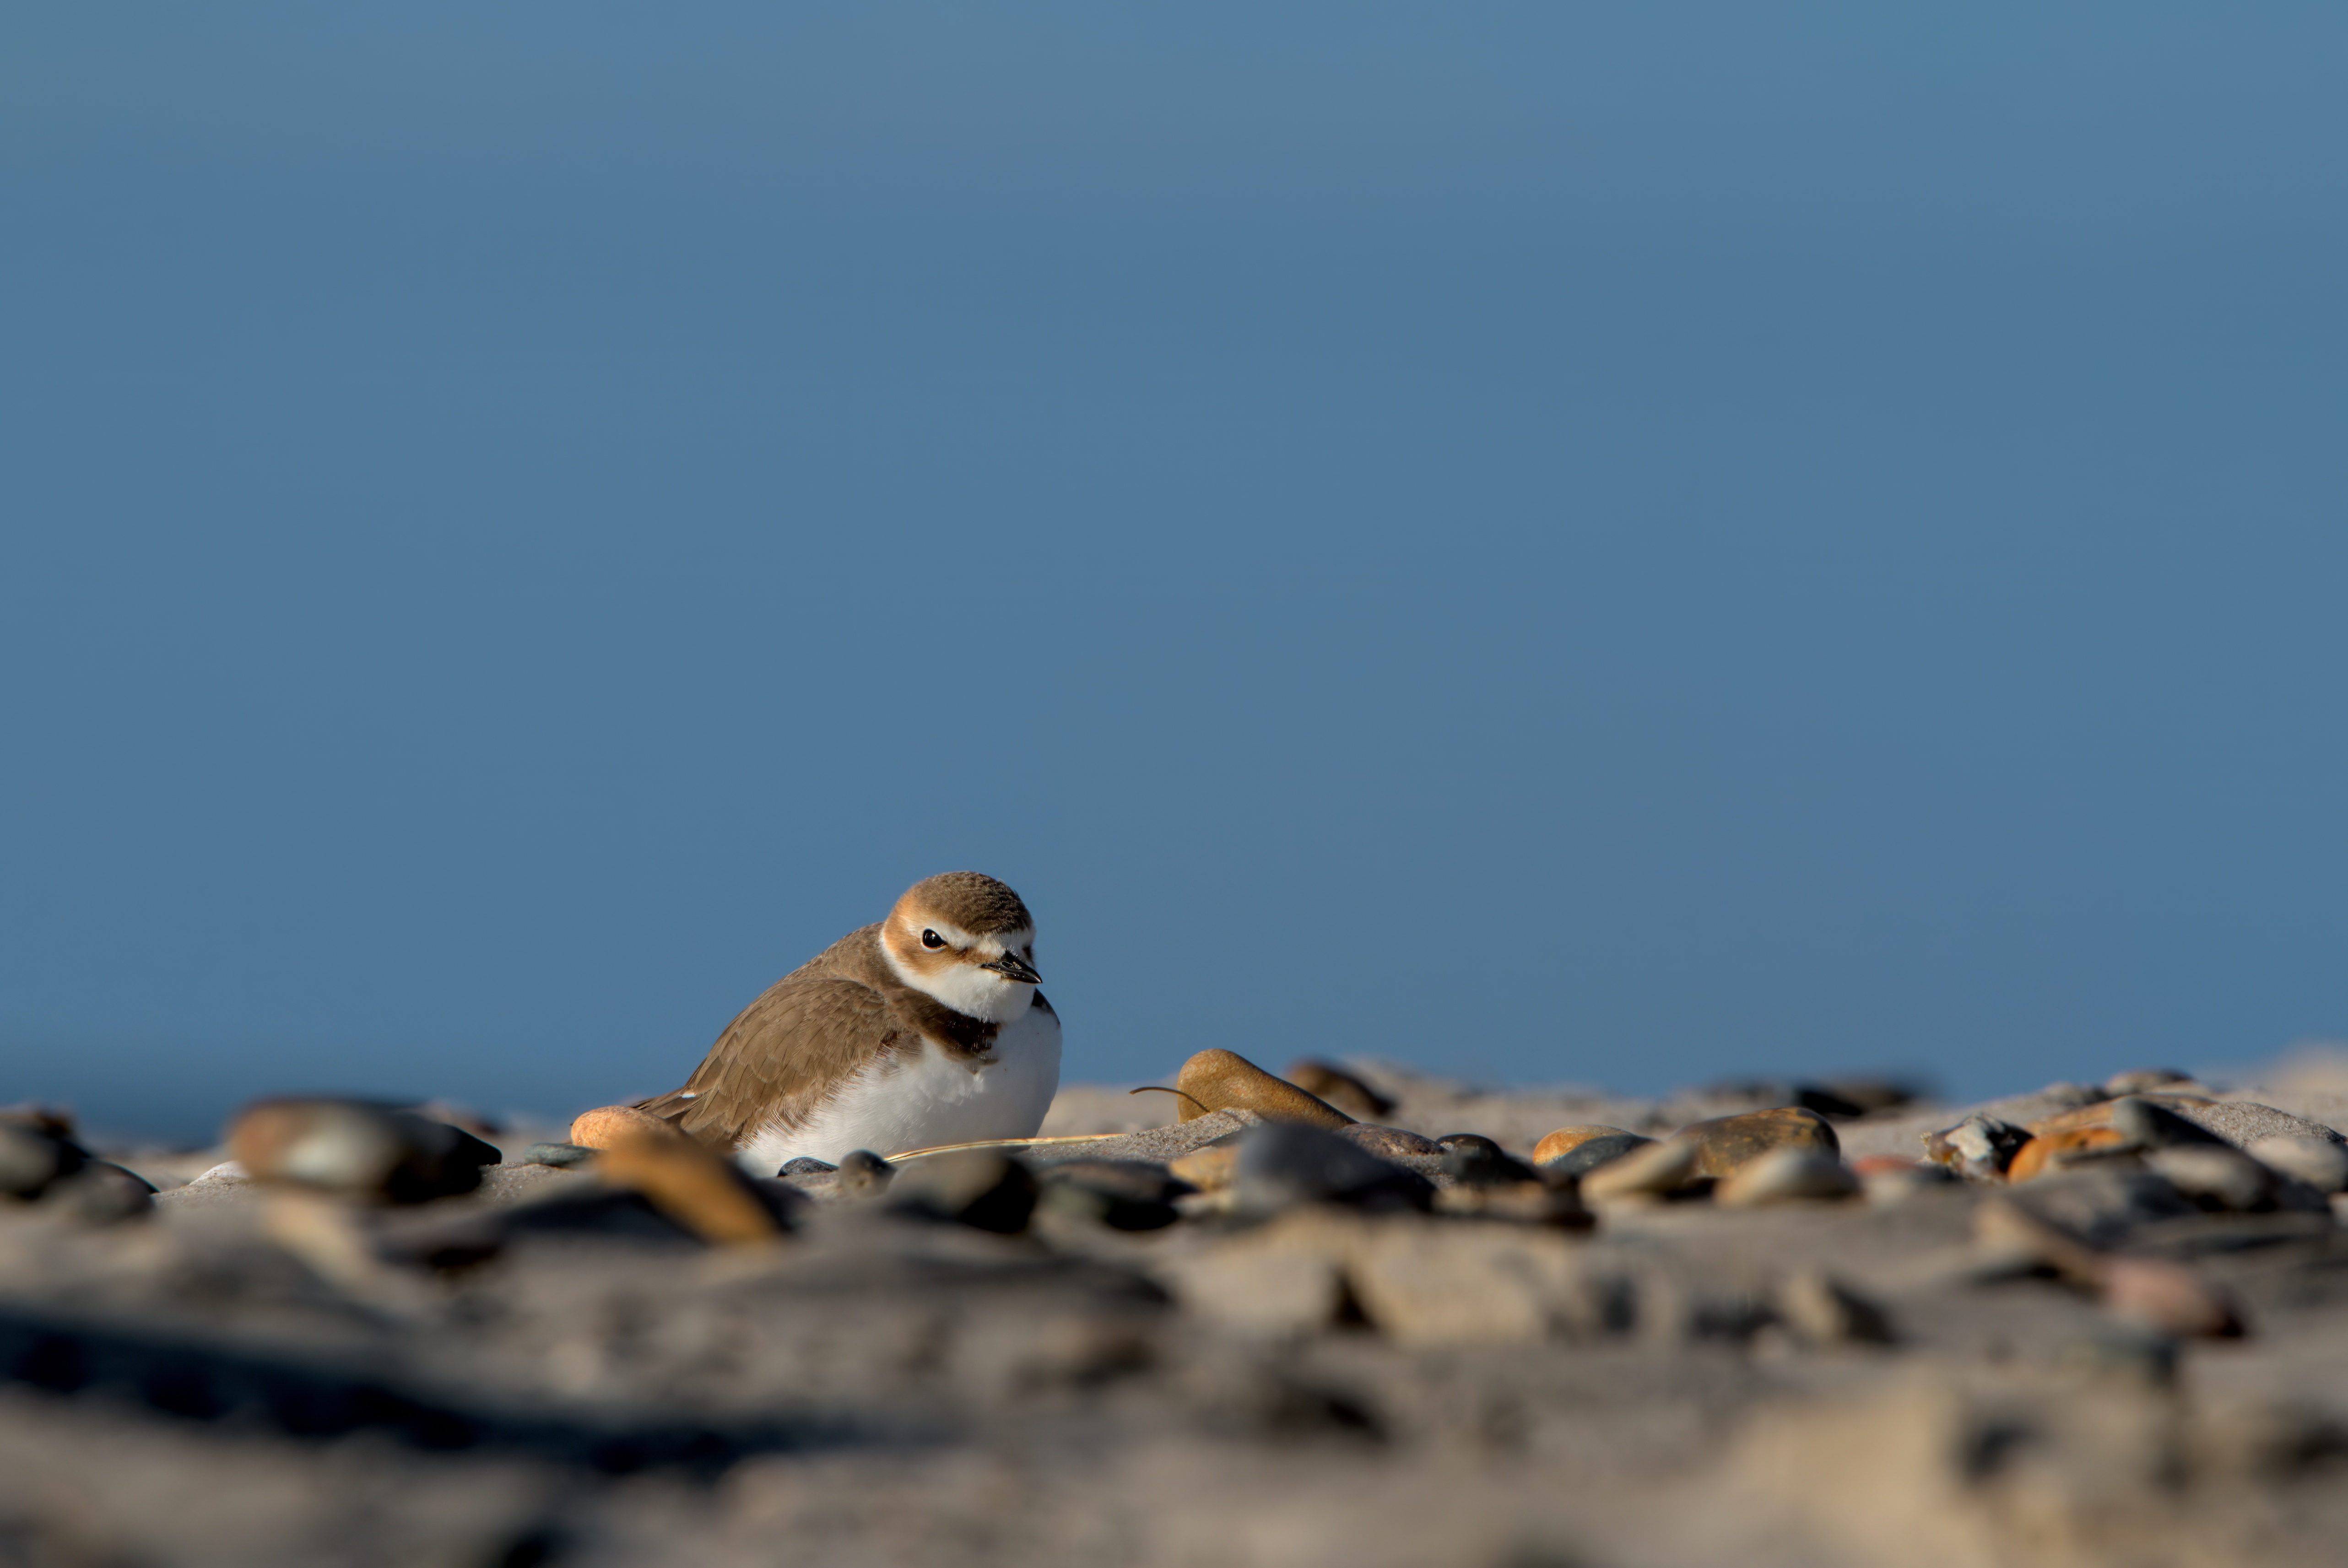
<point>1979,1148</point>
<point>1329,1082</point>
<point>1389,1142</point>
<point>1590,1153</point>
<point>1566,1140</point>
<point>2052,1151</point>
<point>562,1156</point>
<point>2216,1177</point>
<point>1726,1144</point>
<point>607,1124</point>
<point>695,1186</point>
<point>1478,1161</point>
<point>356,1147</point>
<point>30,1160</point>
<point>1785,1175</point>
<point>863,1175</point>
<point>2321,1165</point>
<point>975,1187</point>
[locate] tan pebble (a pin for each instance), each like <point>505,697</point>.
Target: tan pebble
<point>1225,1080</point>
<point>1645,1172</point>
<point>2050,1150</point>
<point>1209,1169</point>
<point>2100,1113</point>
<point>605,1125</point>
<point>698,1186</point>
<point>1565,1139</point>
<point>1726,1143</point>
<point>1788,1175</point>
<point>356,1147</point>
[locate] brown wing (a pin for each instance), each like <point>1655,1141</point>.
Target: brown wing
<point>780,1057</point>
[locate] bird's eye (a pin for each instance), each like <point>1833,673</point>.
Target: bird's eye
<point>931,939</point>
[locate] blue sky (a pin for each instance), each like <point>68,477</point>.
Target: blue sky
<point>1619,544</point>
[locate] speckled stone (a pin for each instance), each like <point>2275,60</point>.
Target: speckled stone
<point>1726,1143</point>
<point>1390,1142</point>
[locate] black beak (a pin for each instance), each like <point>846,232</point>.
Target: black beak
<point>1011,966</point>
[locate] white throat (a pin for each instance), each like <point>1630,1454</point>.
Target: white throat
<point>969,990</point>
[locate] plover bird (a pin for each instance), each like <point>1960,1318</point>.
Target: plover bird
<point>926,1028</point>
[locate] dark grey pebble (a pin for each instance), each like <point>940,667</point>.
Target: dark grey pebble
<point>1390,1142</point>
<point>803,1165</point>
<point>1475,1160</point>
<point>1283,1164</point>
<point>563,1155</point>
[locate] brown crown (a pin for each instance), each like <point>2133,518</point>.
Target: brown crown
<point>978,903</point>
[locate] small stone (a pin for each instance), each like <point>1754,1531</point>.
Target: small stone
<point>606,1124</point>
<point>977,1187</point>
<point>1281,1164</point>
<point>1590,1153</point>
<point>2138,1079</point>
<point>1565,1139</point>
<point>1823,1310</point>
<point>30,1159</point>
<point>2168,1296</point>
<point>694,1185</point>
<point>1649,1173</point>
<point>562,1156</point>
<point>1788,1175</point>
<point>358,1148</point>
<point>100,1194</point>
<point>1334,1084</point>
<point>862,1174</point>
<point>1390,1142</point>
<point>2321,1165</point>
<point>2216,1177</point>
<point>1123,1194</point>
<point>1476,1161</point>
<point>1221,1080</point>
<point>2053,1151</point>
<point>1979,1148</point>
<point>1726,1143</point>
<point>808,1165</point>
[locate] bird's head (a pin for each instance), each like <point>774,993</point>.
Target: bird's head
<point>966,940</point>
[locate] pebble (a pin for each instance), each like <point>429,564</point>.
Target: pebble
<point>1224,1080</point>
<point>1979,1148</point>
<point>807,1165</point>
<point>1475,1159</point>
<point>100,1194</point>
<point>1281,1164</point>
<point>1123,1194</point>
<point>1334,1084</point>
<point>1590,1153</point>
<point>977,1187</point>
<point>1726,1143</point>
<point>862,1174</point>
<point>562,1156</point>
<point>691,1184</point>
<point>1648,1173</point>
<point>1566,1140</point>
<point>1785,1175</point>
<point>2153,1125</point>
<point>1390,1142</point>
<point>606,1124</point>
<point>2138,1079</point>
<point>2053,1151</point>
<point>2321,1165</point>
<point>32,1157</point>
<point>358,1148</point>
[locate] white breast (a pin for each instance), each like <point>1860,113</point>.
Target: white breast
<point>927,1098</point>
